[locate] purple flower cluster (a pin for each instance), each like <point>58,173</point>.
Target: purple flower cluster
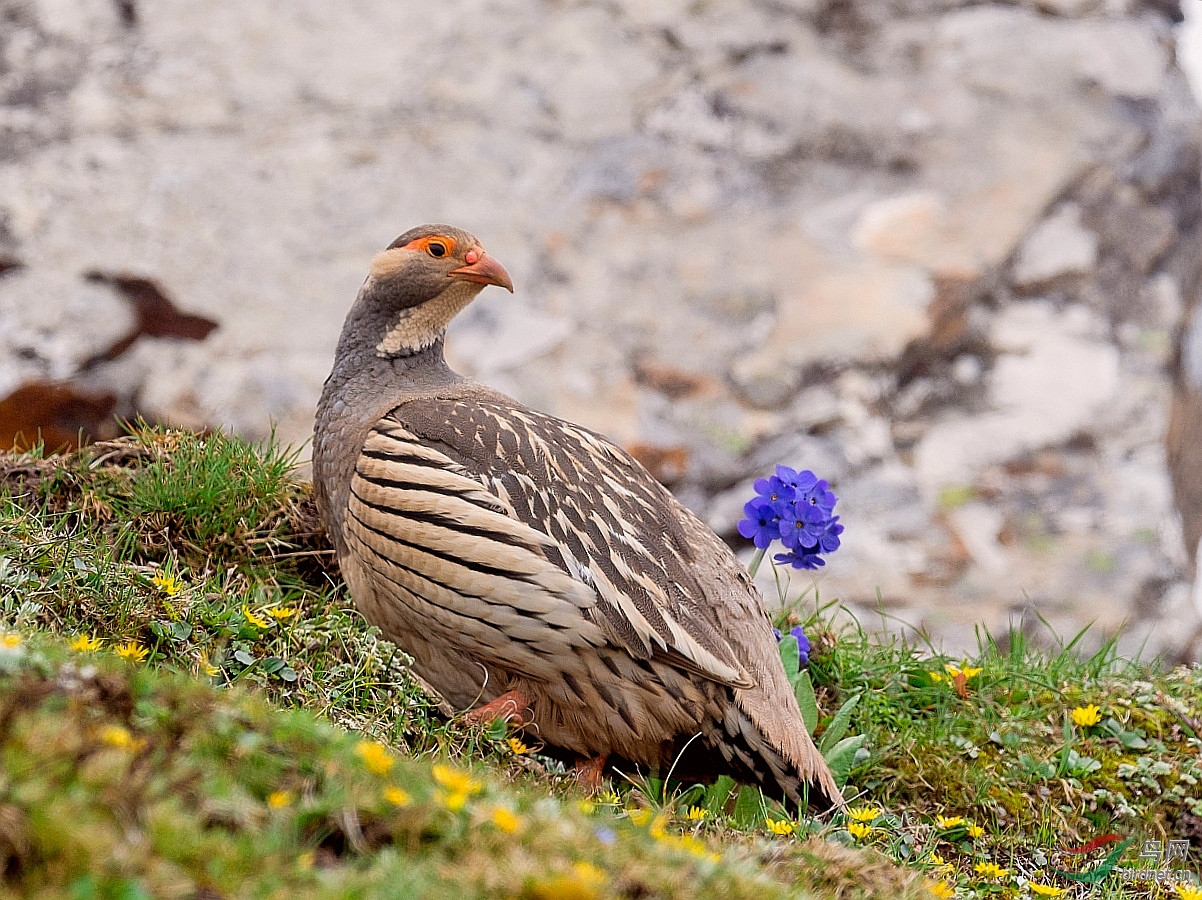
<point>794,508</point>
<point>803,643</point>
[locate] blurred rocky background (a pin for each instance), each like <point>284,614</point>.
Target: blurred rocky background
<point>944,253</point>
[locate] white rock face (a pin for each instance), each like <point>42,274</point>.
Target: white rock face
<point>1059,245</point>
<point>979,527</point>
<point>939,255</point>
<point>51,323</point>
<point>1055,378</point>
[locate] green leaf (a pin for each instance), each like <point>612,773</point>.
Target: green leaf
<point>789,656</point>
<point>1130,739</point>
<point>655,788</point>
<point>839,724</point>
<point>718,793</point>
<point>693,795</point>
<point>749,807</point>
<point>842,757</point>
<point>803,690</point>
<point>82,888</point>
<point>1133,741</point>
<point>243,657</point>
<point>1068,746</point>
<point>1036,768</point>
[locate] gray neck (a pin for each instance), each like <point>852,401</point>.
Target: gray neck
<point>362,388</point>
<point>367,376</point>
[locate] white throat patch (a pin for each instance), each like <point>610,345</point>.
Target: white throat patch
<point>421,326</point>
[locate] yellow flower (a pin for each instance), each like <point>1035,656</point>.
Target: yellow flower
<point>586,871</point>
<point>696,847</point>
<point>167,582</point>
<point>687,843</point>
<point>116,736</point>
<point>936,859</point>
<point>455,781</point>
<point>258,621</point>
<point>639,816</point>
<point>507,821</point>
<point>966,670</point>
<point>780,826</point>
<point>397,796</point>
<point>1187,891</point>
<point>207,667</point>
<point>659,824</point>
<point>859,830</point>
<point>583,882</point>
<point>279,613</point>
<point>454,801</point>
<point>610,797</point>
<point>975,831</point>
<point>946,822</point>
<point>10,641</point>
<point>133,652</point>
<point>375,756</point>
<point>280,799</point>
<point>586,807</point>
<point>517,746</point>
<point>1047,890</point>
<point>941,889</point>
<point>990,870</point>
<point>697,813</point>
<point>1087,715</point>
<point>864,813</point>
<point>85,644</point>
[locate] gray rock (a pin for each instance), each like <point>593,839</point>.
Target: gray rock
<point>737,237</point>
<point>52,322</point>
<point>815,406</point>
<point>765,382</point>
<point>1059,245</point>
<point>1054,378</point>
<point>487,340</point>
<point>1191,349</point>
<point>888,498</point>
<point>978,525</point>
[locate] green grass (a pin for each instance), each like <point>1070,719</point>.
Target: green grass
<point>223,755</point>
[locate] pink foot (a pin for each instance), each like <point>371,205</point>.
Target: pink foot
<point>589,770</point>
<point>512,706</point>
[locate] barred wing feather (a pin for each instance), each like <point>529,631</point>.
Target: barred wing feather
<point>519,509</point>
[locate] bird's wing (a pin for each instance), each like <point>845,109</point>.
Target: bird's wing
<point>540,498</point>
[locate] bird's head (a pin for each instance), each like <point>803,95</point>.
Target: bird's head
<point>422,280</point>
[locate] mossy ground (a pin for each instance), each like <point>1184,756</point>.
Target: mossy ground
<point>190,706</point>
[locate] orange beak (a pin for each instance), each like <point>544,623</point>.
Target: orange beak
<point>483,269</point>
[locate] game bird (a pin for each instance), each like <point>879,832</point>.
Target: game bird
<point>531,568</point>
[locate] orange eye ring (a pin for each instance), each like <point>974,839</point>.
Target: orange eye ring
<point>439,246</point>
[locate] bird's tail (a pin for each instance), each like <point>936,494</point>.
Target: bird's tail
<point>776,755</point>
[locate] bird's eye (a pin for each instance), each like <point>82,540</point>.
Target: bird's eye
<point>437,246</point>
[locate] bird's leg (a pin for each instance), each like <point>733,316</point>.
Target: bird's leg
<point>511,706</point>
<point>589,770</point>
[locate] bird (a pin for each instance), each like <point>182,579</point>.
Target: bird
<point>531,568</point>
